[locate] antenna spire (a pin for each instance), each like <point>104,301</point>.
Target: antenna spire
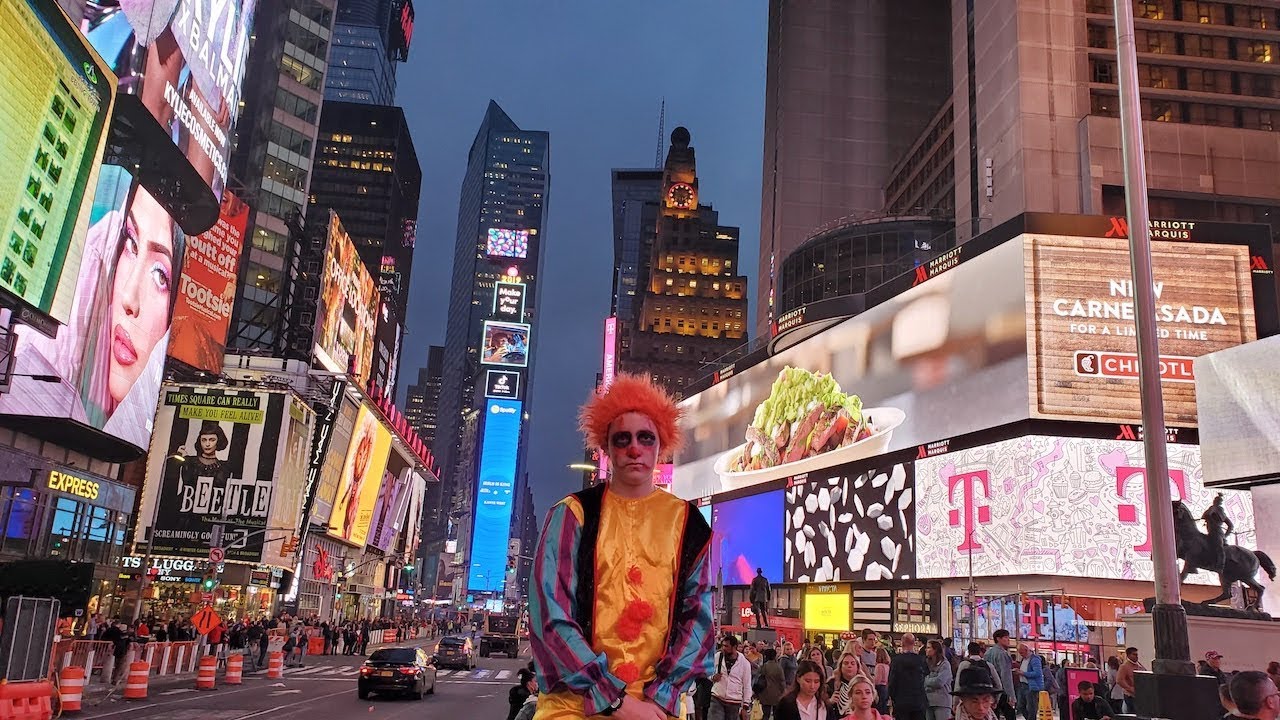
<point>662,125</point>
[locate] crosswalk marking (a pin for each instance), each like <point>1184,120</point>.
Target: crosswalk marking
<point>482,674</point>
<point>336,672</point>
<point>443,673</point>
<point>504,674</point>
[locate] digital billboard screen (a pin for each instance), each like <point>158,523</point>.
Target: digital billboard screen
<point>851,523</point>
<point>1085,359</point>
<point>1026,325</point>
<point>361,479</point>
<point>109,358</point>
<point>388,514</point>
<point>1042,505</point>
<point>502,242</point>
<point>185,60</point>
<point>495,484</point>
<point>56,98</point>
<point>214,462</point>
<point>505,344</point>
<point>828,611</point>
<point>349,302</point>
<point>508,301</point>
<point>748,533</point>
<point>207,289</point>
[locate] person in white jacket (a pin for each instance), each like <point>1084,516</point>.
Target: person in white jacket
<point>731,683</point>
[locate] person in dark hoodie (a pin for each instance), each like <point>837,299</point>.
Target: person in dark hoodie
<point>518,694</point>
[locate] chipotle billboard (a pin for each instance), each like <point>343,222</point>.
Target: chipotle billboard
<point>1080,330</point>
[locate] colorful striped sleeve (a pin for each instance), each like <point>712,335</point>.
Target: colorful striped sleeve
<point>563,655</point>
<point>690,655</point>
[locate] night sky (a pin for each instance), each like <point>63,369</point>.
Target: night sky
<point>592,73</point>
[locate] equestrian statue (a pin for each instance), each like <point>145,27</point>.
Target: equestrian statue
<point>1210,551</point>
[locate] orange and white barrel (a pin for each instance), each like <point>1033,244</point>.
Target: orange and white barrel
<point>235,669</point>
<point>206,676</point>
<point>71,688</point>
<point>275,665</point>
<point>135,685</point>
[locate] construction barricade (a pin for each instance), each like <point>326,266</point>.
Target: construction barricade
<point>135,685</point>
<point>206,677</point>
<point>275,665</point>
<point>71,688</point>
<point>26,700</point>
<point>235,669</point>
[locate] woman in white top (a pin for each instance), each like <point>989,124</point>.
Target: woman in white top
<point>808,698</point>
<point>1117,692</point>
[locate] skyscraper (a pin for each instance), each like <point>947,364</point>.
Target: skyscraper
<point>422,402</point>
<point>369,38</point>
<point>366,170</point>
<point>691,308</point>
<point>848,88</point>
<point>274,148</point>
<point>637,196</point>
<point>489,343</point>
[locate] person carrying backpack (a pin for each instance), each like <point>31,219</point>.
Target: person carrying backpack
<point>976,659</point>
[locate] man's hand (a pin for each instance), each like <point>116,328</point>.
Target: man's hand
<point>632,709</point>
<point>744,713</point>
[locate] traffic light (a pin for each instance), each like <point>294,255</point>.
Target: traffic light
<point>210,581</point>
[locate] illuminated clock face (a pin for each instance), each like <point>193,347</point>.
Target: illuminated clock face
<point>680,195</point>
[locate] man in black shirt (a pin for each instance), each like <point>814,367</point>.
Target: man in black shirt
<point>907,672</point>
<point>1089,706</point>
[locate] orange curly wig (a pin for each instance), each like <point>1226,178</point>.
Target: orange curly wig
<point>632,393</point>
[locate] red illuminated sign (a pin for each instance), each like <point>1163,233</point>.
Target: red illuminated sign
<point>1125,365</point>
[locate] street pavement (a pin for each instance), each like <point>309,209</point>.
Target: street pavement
<point>325,687</point>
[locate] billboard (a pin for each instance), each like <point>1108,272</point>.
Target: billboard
<point>109,357</point>
<point>746,532</point>
<point>213,462</point>
<point>502,384</point>
<point>1040,505</point>
<point>332,463</point>
<point>290,491</point>
<point>56,98</point>
<point>388,513</point>
<point>185,60</point>
<point>1011,326</point>
<point>827,608</point>
<point>508,301</point>
<point>943,358</point>
<point>348,308</point>
<point>851,523</point>
<point>361,478</point>
<point>207,289</point>
<point>505,344</point>
<point>610,351</point>
<point>495,483</point>
<point>1080,322</point>
<point>507,243</point>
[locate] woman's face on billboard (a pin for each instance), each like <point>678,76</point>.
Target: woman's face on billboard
<point>140,295</point>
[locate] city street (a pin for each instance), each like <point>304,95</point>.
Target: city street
<point>327,686</point>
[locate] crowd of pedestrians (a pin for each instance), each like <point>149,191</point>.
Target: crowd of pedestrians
<point>868,678</point>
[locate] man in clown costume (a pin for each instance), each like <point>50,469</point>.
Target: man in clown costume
<point>620,604</point>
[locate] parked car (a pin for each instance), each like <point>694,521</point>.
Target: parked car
<point>456,651</point>
<point>402,671</point>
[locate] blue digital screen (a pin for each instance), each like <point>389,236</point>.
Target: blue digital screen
<point>748,534</point>
<point>494,484</point>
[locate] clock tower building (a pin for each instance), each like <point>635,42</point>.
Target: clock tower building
<point>693,307</point>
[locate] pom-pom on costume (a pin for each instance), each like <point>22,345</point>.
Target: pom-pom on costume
<point>620,602</point>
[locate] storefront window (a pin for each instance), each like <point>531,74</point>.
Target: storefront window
<point>64,529</point>
<point>96,545</point>
<point>19,519</point>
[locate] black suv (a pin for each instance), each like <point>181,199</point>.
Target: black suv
<point>397,670</point>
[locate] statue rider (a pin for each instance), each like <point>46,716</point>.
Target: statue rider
<point>1214,519</point>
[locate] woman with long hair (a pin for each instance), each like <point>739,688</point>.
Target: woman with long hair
<point>816,657</point>
<point>840,686</point>
<point>807,699</point>
<point>863,697</point>
<point>937,684</point>
<point>880,676</point>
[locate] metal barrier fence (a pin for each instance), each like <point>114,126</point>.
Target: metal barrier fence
<point>166,658</point>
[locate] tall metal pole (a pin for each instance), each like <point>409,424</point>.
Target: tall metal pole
<point>1172,653</point>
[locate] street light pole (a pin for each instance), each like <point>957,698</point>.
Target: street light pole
<point>1169,619</point>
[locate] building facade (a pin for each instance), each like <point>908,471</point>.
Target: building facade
<point>692,308</point>
<point>275,145</point>
<point>489,352</point>
<point>848,89</point>
<point>422,402</point>
<point>637,198</point>
<point>1042,132</point>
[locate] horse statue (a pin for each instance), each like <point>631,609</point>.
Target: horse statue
<point>1199,551</point>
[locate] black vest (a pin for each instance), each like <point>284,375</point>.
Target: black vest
<point>694,542</point>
